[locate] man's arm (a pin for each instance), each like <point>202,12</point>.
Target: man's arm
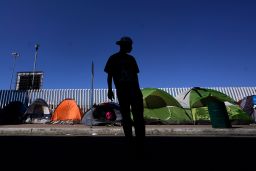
<point>110,92</point>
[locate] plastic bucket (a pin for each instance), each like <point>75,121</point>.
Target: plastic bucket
<point>218,114</point>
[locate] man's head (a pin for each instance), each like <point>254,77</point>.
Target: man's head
<point>125,44</point>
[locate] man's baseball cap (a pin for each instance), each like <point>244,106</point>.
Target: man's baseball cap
<point>124,40</point>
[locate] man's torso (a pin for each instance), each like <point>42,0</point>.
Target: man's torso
<point>124,69</point>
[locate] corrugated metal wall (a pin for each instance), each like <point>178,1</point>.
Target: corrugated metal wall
<point>54,96</point>
<point>82,96</point>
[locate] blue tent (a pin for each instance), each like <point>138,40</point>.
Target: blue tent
<point>12,113</point>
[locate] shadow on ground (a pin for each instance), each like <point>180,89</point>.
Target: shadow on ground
<point>112,153</point>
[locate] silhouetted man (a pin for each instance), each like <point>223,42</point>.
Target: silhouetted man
<point>123,69</point>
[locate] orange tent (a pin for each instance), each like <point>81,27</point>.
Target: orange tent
<point>67,110</point>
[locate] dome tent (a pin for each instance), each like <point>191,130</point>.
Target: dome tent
<point>12,113</point>
<point>198,97</point>
<point>67,112</point>
<point>157,98</point>
<point>98,114</point>
<point>37,112</point>
<point>161,107</point>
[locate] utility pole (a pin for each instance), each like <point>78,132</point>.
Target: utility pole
<point>36,53</point>
<point>92,90</point>
<point>15,55</point>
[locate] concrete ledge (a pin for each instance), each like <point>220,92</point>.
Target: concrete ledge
<point>151,130</point>
<point>61,131</point>
<point>203,132</point>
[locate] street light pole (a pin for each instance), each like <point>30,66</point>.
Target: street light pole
<point>15,55</point>
<point>36,53</point>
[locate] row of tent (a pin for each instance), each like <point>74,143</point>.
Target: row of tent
<point>190,107</point>
<point>160,107</point>
<point>67,112</point>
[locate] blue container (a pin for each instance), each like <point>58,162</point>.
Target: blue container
<point>254,100</point>
<point>218,114</point>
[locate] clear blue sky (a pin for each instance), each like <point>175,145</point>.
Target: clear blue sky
<point>177,43</point>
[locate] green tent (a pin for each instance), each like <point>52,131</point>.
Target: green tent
<point>156,98</point>
<point>167,115</point>
<point>198,97</point>
<point>201,115</point>
<point>160,107</point>
<point>236,115</point>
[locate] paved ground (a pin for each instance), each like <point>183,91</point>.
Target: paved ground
<point>166,147</point>
<point>151,130</point>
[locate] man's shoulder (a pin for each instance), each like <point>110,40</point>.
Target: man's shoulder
<point>114,56</point>
<point>117,57</point>
<point>118,54</point>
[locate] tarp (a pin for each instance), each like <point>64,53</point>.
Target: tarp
<point>247,104</point>
<point>198,97</point>
<point>103,114</point>
<point>162,108</point>
<point>38,112</point>
<point>67,111</point>
<point>12,113</point>
<point>254,100</point>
